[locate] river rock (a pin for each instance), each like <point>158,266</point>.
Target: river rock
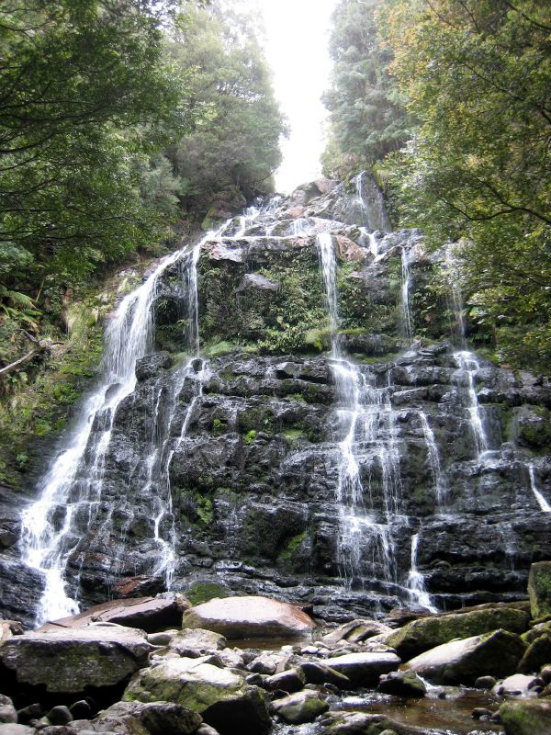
<point>356,631</point>
<point>151,614</point>
<point>364,669</point>
<point>249,617</point>
<point>156,718</point>
<point>425,633</point>
<point>537,655</point>
<point>318,672</point>
<point>539,589</point>
<point>363,723</point>
<point>299,708</point>
<point>8,712</point>
<point>463,661</point>
<point>196,642</point>
<point>221,697</point>
<point>526,717</point>
<point>67,661</point>
<point>517,685</point>
<point>290,680</point>
<point>15,729</point>
<point>402,684</point>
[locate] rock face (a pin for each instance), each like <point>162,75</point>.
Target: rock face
<point>539,589</point>
<point>249,617</point>
<point>231,462</point>
<point>70,661</point>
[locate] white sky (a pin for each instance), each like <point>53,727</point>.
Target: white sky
<point>297,35</point>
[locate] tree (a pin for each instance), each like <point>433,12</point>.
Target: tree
<point>237,143</point>
<point>477,74</point>
<point>367,110</point>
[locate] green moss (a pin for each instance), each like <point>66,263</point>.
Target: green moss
<point>293,435</point>
<point>199,592</point>
<point>292,547</point>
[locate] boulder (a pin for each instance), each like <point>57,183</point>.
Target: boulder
<point>157,718</point>
<point>70,660</point>
<point>426,633</point>
<point>364,723</point>
<point>300,707</point>
<point>317,672</point>
<point>249,617</point>
<point>526,717</point>
<point>539,589</point>
<point>141,585</point>
<point>364,669</point>
<point>402,684</point>
<point>517,685</point>
<point>356,631</point>
<point>537,655</point>
<point>221,697</point>
<point>193,643</point>
<point>291,680</point>
<point>463,661</point>
<point>151,614</point>
<point>15,729</point>
<point>8,712</point>
<point>348,250</point>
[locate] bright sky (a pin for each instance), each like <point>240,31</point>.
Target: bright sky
<point>297,35</point>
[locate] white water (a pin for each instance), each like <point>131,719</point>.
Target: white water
<point>366,421</point>
<point>542,502</point>
<point>416,581</point>
<point>71,490</point>
<point>433,457</point>
<point>407,323</point>
<point>465,375</point>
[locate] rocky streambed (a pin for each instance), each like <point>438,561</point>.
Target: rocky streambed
<point>254,665</point>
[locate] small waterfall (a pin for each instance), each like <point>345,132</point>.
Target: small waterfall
<point>416,581</point>
<point>71,492</point>
<point>366,421</point>
<point>439,478</point>
<point>370,203</point>
<point>407,322</point>
<point>467,368</point>
<point>542,502</point>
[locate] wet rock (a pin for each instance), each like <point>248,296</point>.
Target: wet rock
<point>221,697</point>
<point>146,613</point>
<point>402,684</point>
<point>318,672</point>
<point>463,661</point>
<point>15,729</point>
<point>193,643</point>
<point>362,723</point>
<point>9,628</point>
<point>81,710</point>
<point>364,669</point>
<point>355,631</point>
<point>291,680</point>
<point>7,710</point>
<point>425,633</point>
<point>526,717</point>
<point>517,685</point>
<point>154,718</point>
<point>69,661</point>
<point>485,682</point>
<point>266,663</point>
<point>536,655</point>
<point>539,589</point>
<point>299,708</point>
<point>249,617</point>
<point>59,715</point>
<point>141,585</point>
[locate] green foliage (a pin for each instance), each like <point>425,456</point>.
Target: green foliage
<point>237,143</point>
<point>477,75</point>
<point>367,111</point>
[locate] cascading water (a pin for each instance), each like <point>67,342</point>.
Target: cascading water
<point>416,581</point>
<point>468,367</point>
<point>407,322</point>
<point>542,502</point>
<point>71,492</point>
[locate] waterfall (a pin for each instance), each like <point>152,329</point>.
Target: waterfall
<point>71,491</point>
<point>416,581</point>
<point>542,502</point>
<point>465,375</point>
<point>407,322</point>
<point>366,421</point>
<point>433,457</point>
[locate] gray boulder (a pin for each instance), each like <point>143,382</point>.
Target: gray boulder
<point>67,661</point>
<point>248,617</point>
<point>464,660</point>
<point>364,669</point>
<point>298,708</point>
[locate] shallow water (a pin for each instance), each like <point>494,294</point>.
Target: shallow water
<point>452,715</point>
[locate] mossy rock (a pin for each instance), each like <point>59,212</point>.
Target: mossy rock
<point>526,717</point>
<point>221,697</point>
<point>539,589</point>
<point>425,633</point>
<point>199,591</point>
